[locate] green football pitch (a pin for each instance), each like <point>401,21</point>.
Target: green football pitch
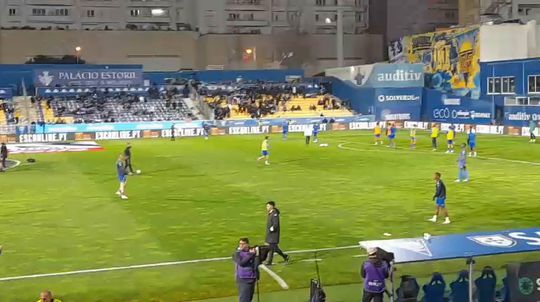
<point>195,198</point>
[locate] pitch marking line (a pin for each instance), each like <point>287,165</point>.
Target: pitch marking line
<point>154,265</point>
<point>17,163</point>
<point>404,150</point>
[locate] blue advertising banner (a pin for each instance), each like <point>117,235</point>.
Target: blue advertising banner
<point>456,110</point>
<point>459,246</point>
<point>88,77</point>
<point>166,125</point>
<point>103,127</point>
<point>398,104</point>
<point>520,116</point>
<point>396,76</point>
<point>381,75</point>
<point>6,93</point>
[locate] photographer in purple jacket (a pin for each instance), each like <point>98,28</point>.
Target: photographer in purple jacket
<point>247,272</point>
<point>374,271</point>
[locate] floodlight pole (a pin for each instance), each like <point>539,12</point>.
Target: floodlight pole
<point>470,262</point>
<point>339,37</point>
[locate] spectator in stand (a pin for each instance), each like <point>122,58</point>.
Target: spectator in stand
<point>47,296</point>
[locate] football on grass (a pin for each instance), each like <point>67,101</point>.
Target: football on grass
<point>138,171</point>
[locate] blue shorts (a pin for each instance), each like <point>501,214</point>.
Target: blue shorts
<point>472,145</point>
<point>391,136</point>
<point>450,142</point>
<point>441,202</point>
<point>377,135</point>
<point>123,178</point>
<point>265,153</point>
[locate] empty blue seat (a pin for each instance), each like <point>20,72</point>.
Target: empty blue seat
<point>408,290</point>
<point>485,285</point>
<point>460,288</point>
<point>434,290</point>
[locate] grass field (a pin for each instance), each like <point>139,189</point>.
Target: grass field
<point>195,198</point>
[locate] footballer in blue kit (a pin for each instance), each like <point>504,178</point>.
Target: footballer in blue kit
<point>471,140</point>
<point>122,176</point>
<point>316,130</point>
<point>285,129</point>
<point>391,133</point>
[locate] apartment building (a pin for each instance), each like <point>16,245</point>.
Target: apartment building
<point>204,16</point>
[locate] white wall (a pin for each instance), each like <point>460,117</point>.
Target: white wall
<point>508,42</point>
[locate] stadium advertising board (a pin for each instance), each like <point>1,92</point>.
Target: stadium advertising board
<point>104,127</point>
<point>381,75</point>
<point>248,130</point>
<point>393,104</point>
<point>88,77</point>
<point>457,110</point>
<point>520,116</point>
<point>524,281</point>
<point>114,135</point>
<point>182,132</point>
<point>45,138</point>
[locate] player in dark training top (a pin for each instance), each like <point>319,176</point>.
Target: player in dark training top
<point>440,199</point>
<point>127,158</point>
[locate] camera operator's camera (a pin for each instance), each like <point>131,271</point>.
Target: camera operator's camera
<point>262,252</point>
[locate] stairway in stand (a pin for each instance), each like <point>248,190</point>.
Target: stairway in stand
<point>27,111</point>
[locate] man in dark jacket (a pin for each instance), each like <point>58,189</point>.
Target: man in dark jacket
<point>273,230</point>
<point>246,270</point>
<point>127,156</point>
<point>374,271</point>
<point>3,157</point>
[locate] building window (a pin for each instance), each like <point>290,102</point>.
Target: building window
<point>38,12</point>
<point>90,13</point>
<point>12,11</point>
<point>61,12</point>
<point>320,2</point>
<point>534,84</point>
<point>502,85</point>
<point>317,17</point>
<point>135,12</point>
<point>508,85</point>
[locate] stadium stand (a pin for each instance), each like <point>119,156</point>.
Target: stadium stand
<point>279,100</point>
<point>8,114</point>
<point>118,107</point>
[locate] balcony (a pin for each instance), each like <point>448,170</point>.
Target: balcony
<point>100,3</point>
<point>50,2</point>
<point>148,19</point>
<point>249,5</point>
<point>247,22</point>
<point>149,3</point>
<point>50,19</point>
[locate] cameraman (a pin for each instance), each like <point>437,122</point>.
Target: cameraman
<point>247,272</point>
<point>374,271</point>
